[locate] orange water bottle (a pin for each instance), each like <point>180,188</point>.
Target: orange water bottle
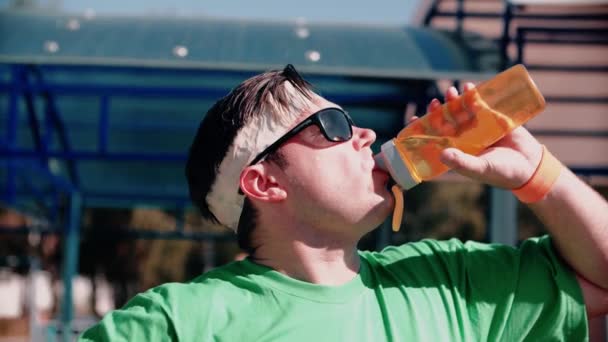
<point>477,119</point>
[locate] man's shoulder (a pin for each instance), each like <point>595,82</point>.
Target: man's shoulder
<point>169,310</point>
<point>445,248</point>
<point>224,285</point>
<point>457,257</point>
<point>426,247</point>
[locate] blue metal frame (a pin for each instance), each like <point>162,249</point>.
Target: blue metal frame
<point>67,224</point>
<point>70,263</point>
<point>27,83</point>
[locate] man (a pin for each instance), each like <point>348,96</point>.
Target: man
<point>295,178</point>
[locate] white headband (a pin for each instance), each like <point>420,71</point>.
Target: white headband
<point>261,131</point>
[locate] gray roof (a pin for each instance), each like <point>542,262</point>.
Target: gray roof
<point>382,63</point>
<point>244,45</point>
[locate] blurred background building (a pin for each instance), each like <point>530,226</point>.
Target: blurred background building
<point>99,101</point>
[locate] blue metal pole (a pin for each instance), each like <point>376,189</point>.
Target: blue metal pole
<point>507,16</point>
<point>519,39</point>
<point>383,235</point>
<point>180,217</point>
<point>53,112</point>
<point>33,121</point>
<point>431,13</point>
<point>459,16</point>
<point>51,333</point>
<point>503,217</point>
<point>47,138</point>
<point>10,192</point>
<point>13,106</point>
<point>70,264</point>
<point>104,124</point>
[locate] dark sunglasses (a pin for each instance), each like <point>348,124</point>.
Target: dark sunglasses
<point>336,125</point>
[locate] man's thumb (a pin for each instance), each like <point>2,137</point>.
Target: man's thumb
<point>458,160</point>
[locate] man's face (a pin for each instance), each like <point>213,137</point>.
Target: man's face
<point>334,185</point>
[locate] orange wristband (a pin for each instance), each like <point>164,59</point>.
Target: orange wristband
<point>539,185</point>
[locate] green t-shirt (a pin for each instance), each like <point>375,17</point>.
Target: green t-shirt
<point>424,291</point>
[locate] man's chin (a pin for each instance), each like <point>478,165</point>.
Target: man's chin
<point>382,211</point>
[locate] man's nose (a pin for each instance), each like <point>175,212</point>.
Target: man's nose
<point>363,137</point>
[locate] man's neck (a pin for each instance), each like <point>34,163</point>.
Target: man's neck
<point>325,262</point>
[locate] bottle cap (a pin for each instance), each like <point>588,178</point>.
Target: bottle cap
<point>390,160</point>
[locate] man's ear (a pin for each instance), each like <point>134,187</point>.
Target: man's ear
<point>257,182</point>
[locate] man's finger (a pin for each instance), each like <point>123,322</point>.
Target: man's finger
<point>468,86</point>
<point>451,93</point>
<point>433,105</point>
<point>466,163</point>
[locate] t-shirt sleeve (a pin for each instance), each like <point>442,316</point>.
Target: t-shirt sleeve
<point>509,294</point>
<point>143,318</point>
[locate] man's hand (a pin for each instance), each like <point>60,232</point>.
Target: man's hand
<point>574,214</point>
<point>509,163</point>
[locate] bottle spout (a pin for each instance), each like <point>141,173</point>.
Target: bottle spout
<point>379,160</point>
<point>390,160</point>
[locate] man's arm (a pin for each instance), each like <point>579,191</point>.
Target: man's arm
<point>577,218</point>
<point>574,214</point>
<point>143,318</point>
<point>596,299</point>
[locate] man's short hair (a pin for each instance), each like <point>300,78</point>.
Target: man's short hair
<point>234,130</point>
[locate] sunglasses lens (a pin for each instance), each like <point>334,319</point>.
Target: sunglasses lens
<point>335,125</point>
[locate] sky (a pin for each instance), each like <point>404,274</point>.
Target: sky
<point>378,12</point>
